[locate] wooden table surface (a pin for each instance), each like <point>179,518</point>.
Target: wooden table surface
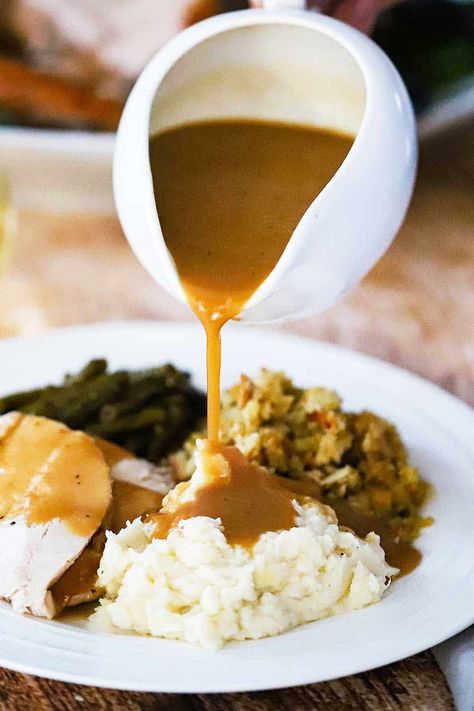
<point>415,309</point>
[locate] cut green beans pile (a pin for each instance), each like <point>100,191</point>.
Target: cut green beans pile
<point>149,412</point>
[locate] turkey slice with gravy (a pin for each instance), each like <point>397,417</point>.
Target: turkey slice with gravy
<point>138,488</point>
<point>56,502</point>
<point>55,491</point>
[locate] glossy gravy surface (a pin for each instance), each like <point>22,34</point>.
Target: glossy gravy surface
<point>229,195</point>
<point>249,502</point>
<point>48,471</point>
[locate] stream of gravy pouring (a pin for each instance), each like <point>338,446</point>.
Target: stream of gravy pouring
<point>229,195</point>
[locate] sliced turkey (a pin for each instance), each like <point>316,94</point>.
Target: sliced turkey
<point>55,490</point>
<point>138,488</point>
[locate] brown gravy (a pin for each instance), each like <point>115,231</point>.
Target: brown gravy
<point>79,582</point>
<point>249,502</point>
<point>229,195</point>
<point>78,615</point>
<point>49,471</point>
<point>401,555</point>
<point>397,553</point>
<point>130,501</point>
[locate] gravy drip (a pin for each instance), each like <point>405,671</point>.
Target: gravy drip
<point>248,500</point>
<point>399,554</point>
<point>229,195</point>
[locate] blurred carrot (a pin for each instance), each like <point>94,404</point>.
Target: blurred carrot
<point>33,93</point>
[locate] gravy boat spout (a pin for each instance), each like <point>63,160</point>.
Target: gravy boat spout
<point>292,67</point>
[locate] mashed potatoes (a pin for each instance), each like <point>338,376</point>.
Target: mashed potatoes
<point>194,586</point>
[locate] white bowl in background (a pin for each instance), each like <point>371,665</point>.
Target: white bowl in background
<point>58,171</point>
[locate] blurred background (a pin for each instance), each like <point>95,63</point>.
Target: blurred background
<point>66,67</point>
<point>70,63</point>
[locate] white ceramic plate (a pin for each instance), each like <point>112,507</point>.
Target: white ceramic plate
<point>420,610</point>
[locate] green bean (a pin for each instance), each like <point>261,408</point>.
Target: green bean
<point>136,421</point>
<point>30,397</point>
<point>167,373</point>
<point>42,407</point>
<point>92,397</point>
<point>148,411</point>
<point>141,393</point>
<point>91,370</point>
<point>15,401</point>
<point>197,403</point>
<point>177,413</point>
<point>75,403</point>
<point>155,449</point>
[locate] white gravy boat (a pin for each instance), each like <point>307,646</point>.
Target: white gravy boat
<point>287,66</point>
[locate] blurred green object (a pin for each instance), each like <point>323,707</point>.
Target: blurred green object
<point>432,44</point>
